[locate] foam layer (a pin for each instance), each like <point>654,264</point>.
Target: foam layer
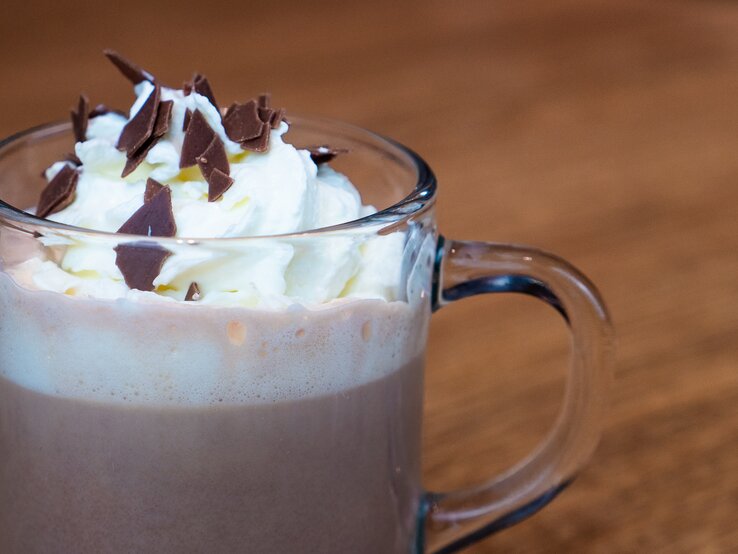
<point>133,352</point>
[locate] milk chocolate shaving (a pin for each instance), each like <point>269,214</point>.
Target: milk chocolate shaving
<point>265,100</point>
<point>140,263</point>
<point>214,157</point>
<point>276,118</point>
<point>260,143</point>
<point>193,293</point>
<point>130,70</point>
<point>140,128</point>
<point>242,121</point>
<point>197,138</point>
<point>80,119</point>
<point>154,219</point>
<point>201,85</point>
<point>135,161</point>
<point>153,187</point>
<point>218,183</point>
<point>161,126</point>
<point>59,193</point>
<point>163,117</point>
<point>187,117</point>
<point>323,154</point>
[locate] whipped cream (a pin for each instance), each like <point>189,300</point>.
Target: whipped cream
<point>280,191</point>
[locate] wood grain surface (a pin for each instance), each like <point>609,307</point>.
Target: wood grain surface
<point>606,132</point>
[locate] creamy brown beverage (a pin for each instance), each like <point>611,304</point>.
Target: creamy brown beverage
<point>263,398</point>
<point>105,451</point>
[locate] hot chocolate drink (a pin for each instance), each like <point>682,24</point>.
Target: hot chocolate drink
<point>110,442</point>
<point>208,395</point>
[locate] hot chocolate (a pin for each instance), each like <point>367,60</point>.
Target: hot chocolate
<point>121,432</point>
<point>256,395</point>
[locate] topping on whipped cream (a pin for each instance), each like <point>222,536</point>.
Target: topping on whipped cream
<point>178,167</point>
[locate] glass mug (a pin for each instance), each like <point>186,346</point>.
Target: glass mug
<point>153,426</point>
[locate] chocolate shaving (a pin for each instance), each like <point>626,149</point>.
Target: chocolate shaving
<point>201,86</point>
<point>102,109</point>
<point>140,263</point>
<point>186,121</point>
<point>130,70</point>
<point>214,157</point>
<point>161,126</point>
<point>249,123</point>
<point>193,293</point>
<point>141,126</point>
<point>59,193</point>
<point>197,138</point>
<point>153,187</point>
<point>135,161</point>
<point>242,122</point>
<point>276,118</point>
<point>267,114</point>
<point>260,143</point>
<point>163,117</point>
<point>323,154</point>
<point>218,183</point>
<point>154,219</point>
<point>80,118</point>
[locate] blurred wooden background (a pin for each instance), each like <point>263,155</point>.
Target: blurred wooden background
<point>604,131</point>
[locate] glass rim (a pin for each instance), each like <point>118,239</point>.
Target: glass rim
<point>420,198</point>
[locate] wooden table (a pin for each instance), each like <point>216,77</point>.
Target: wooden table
<point>604,131</point>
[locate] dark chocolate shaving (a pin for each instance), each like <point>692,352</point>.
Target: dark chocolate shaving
<point>153,187</point>
<point>72,158</point>
<point>154,219</point>
<point>201,86</point>
<point>161,126</point>
<point>197,138</point>
<point>102,109</point>
<point>193,292</point>
<point>80,118</point>
<point>140,263</point>
<point>218,183</point>
<point>140,128</point>
<point>242,122</point>
<point>130,70</point>
<point>133,162</point>
<point>260,143</point>
<point>324,154</point>
<point>163,117</point>
<point>214,157</point>
<point>59,193</point>
<point>270,116</point>
<point>276,118</point>
<point>186,121</point>
<point>249,123</point>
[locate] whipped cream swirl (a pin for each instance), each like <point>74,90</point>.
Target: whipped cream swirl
<point>277,192</point>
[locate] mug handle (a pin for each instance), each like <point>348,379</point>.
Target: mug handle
<point>453,520</point>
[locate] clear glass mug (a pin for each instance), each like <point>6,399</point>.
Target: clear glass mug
<point>151,426</point>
